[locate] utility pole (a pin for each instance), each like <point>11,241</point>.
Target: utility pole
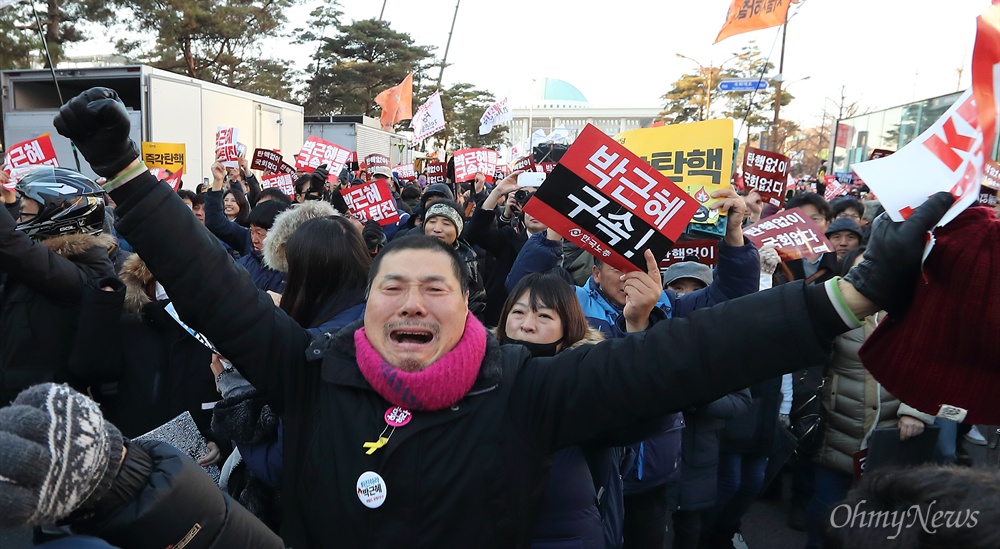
<point>444,60</point>
<point>777,89</point>
<point>381,13</point>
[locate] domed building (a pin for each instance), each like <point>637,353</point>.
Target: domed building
<point>553,110</point>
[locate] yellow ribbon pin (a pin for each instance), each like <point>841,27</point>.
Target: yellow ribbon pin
<point>372,446</point>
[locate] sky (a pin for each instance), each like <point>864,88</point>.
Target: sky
<point>622,53</point>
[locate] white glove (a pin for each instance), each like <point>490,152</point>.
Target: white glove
<point>769,259</point>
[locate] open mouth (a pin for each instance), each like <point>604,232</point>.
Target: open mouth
<point>411,336</point>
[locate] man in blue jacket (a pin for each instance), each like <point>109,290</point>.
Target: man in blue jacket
<point>603,300</point>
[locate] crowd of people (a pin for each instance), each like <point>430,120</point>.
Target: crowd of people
<point>462,377</point>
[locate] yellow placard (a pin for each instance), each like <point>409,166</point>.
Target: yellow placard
<point>170,156</point>
<point>697,157</point>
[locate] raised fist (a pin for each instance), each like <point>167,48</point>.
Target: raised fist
<point>97,123</point>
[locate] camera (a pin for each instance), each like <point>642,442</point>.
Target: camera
<point>521,196</point>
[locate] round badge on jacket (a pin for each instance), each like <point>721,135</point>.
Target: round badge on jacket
<point>371,489</point>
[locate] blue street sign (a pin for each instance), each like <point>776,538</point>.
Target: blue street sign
<point>742,85</point>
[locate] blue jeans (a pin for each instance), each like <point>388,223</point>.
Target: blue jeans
<point>741,477</point>
<point>831,487</point>
<point>944,452</point>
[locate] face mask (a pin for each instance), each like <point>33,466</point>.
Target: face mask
<point>537,349</point>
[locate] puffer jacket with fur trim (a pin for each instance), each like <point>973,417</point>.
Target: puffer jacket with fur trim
<point>41,303</point>
<point>285,224</point>
<point>160,369</point>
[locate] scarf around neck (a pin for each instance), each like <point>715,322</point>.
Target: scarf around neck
<point>439,385</point>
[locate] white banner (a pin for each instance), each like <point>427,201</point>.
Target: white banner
<point>949,156</point>
<point>429,118</point>
<point>498,114</point>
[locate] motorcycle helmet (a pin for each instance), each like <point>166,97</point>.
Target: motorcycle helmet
<point>69,203</point>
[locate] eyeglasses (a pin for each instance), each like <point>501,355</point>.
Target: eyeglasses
<point>847,214</point>
<point>818,218</point>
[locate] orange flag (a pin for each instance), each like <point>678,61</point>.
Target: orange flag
<point>751,15</point>
<point>396,103</point>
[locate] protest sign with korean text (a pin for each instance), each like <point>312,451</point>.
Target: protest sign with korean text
<point>767,173</point>
<point>373,161</point>
<point>283,181</point>
<point>429,118</point>
<point>697,157</point>
<point>21,157</point>
<point>469,162</point>
<point>705,250</point>
<point>609,202</point>
<point>792,233</point>
<point>545,167</point>
<point>371,201</point>
<point>525,164</point>
<point>405,172</point>
<point>164,175</point>
<point>987,196</point>
<point>316,151</point>
<point>170,156</point>
<point>437,172</point>
<point>986,74</point>
<point>226,148</point>
<point>991,175</point>
<point>948,156</point>
<point>267,161</point>
<point>834,187</point>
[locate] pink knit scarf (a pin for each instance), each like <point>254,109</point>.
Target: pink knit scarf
<point>437,386</point>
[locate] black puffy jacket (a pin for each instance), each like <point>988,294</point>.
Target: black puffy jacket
<point>470,475</point>
<point>41,303</point>
<point>180,502</point>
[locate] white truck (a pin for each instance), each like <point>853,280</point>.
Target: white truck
<point>362,134</point>
<point>164,107</point>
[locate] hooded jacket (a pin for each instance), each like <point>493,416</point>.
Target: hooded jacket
<point>40,304</point>
<point>285,223</point>
<point>471,474</point>
<point>159,368</point>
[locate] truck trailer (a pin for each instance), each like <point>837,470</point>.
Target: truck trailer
<point>164,107</point>
<point>359,133</point>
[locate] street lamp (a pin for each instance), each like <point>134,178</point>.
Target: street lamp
<point>701,69</point>
<point>778,80</point>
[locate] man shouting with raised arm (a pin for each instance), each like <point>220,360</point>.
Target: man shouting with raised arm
<point>413,427</point>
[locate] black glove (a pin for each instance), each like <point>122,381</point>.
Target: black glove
<point>373,236</point>
<point>317,181</point>
<point>97,123</point>
<point>889,273</point>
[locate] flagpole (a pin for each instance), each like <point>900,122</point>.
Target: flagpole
<point>444,60</point>
<point>52,70</point>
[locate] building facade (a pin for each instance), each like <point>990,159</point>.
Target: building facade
<point>555,110</point>
<point>855,138</point>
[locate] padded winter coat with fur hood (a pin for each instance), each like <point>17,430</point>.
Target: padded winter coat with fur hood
<point>41,302</point>
<point>156,368</point>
